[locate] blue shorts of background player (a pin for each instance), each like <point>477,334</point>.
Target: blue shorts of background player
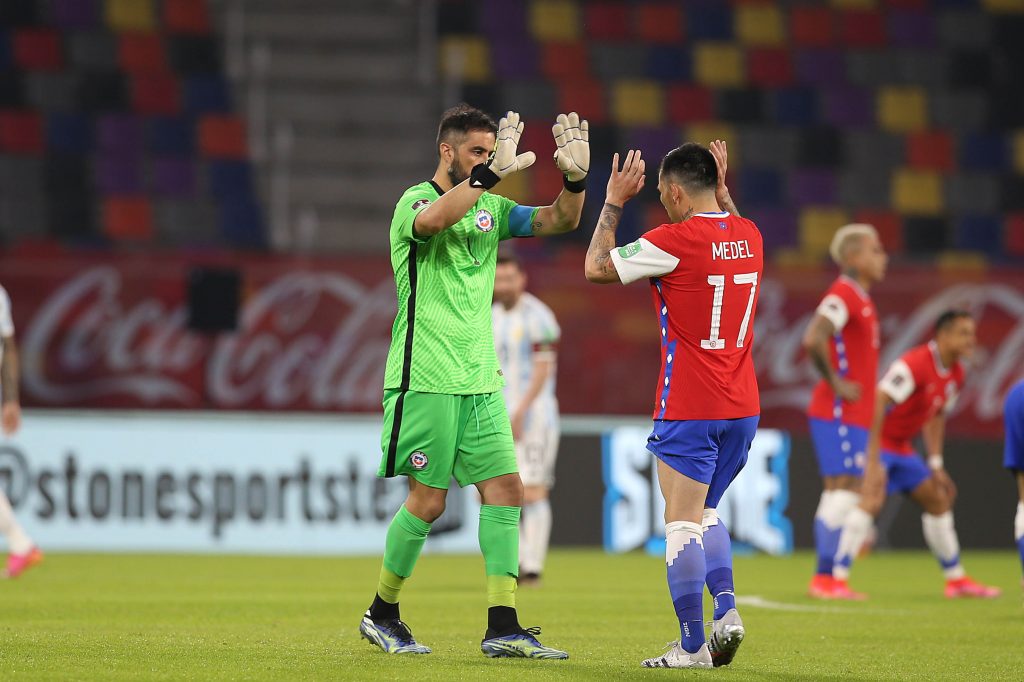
<point>904,472</point>
<point>710,451</point>
<point>841,448</point>
<point>1013,418</point>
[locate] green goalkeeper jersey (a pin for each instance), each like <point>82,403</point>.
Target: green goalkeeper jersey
<point>442,341</point>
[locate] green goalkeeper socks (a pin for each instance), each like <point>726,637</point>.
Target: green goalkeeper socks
<point>402,548</point>
<point>499,543</point>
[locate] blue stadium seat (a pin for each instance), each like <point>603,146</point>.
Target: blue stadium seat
<point>979,233</point>
<point>230,180</point>
<point>709,20</point>
<point>242,224</point>
<point>984,151</point>
<point>667,63</point>
<point>795,107</point>
<point>71,133</point>
<point>206,94</point>
<point>759,186</point>
<point>171,135</point>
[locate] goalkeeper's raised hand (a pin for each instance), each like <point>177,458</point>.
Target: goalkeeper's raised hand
<point>504,160</point>
<point>572,153</point>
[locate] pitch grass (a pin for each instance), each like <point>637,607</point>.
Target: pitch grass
<point>198,617</point>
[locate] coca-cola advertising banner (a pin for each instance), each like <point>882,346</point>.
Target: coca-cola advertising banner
<point>111,331</point>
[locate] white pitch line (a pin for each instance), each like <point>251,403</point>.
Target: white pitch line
<point>762,603</point>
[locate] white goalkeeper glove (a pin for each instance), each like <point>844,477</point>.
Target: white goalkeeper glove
<point>572,156</point>
<point>503,161</point>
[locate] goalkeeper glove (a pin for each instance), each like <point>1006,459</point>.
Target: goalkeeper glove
<point>504,160</point>
<point>572,156</point>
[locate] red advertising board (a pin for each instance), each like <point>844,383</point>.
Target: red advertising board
<point>110,332</point>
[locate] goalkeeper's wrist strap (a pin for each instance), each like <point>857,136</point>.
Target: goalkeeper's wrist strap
<point>574,186</point>
<point>482,177</point>
<point>935,462</point>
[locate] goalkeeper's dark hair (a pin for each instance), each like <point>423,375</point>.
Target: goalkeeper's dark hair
<point>949,318</point>
<point>691,166</point>
<point>461,120</point>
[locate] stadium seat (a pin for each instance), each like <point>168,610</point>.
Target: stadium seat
<point>689,103</point>
<point>709,20</point>
<point>759,24</point>
<point>156,94</point>
<point>128,218</point>
<point>69,132</point>
<point>534,99</point>
<point>465,58</point>
<point>985,151</point>
<point>926,235</point>
<point>71,215</point>
<point>37,49</point>
<point>820,147</point>
<point>1013,231</point>
<point>963,28</point>
<point>778,226</point>
<point>75,14</point>
<point>963,110</point>
<point>130,15</point>
<point>704,133</point>
<point>222,137</point>
<point>22,176</point>
<point>92,51</point>
<point>117,174</point>
<point>510,16</point>
<point>1017,152</point>
<point>12,90</point>
<point>186,16</point>
<point>910,28</point>
<point>230,179</point>
<point>972,192</point>
<point>889,225</point>
<point>659,22</point>
<point>812,186</point>
<point>902,109</point>
<point>871,68</point>
<point>917,192</point>
<point>21,132</point>
<point>653,142</point>
<point>141,53</point>
<point>20,12</point>
<point>173,176</point>
<point>669,64</point>
<point>1011,193</point>
<point>819,66</point>
<point>847,107</point>
<point>857,188</point>
<point>206,94</point>
<point>515,57</point>
<point>740,105</point>
<point>794,107</point>
<point>612,61</point>
<point>758,186</point>
<point>101,92</point>
<point>193,54</point>
<point>817,224</point>
<point>6,58</point>
<point>607,21</point>
<point>770,67</point>
<point>585,97</point>
<point>930,151</point>
<point>49,91</point>
<point>811,26</point>
<point>766,146</point>
<point>564,61</point>
<point>170,135</point>
<point>555,21</point>
<point>242,224</point>
<point>119,134</point>
<point>983,233</point>
<point>861,28</point>
<point>638,103</point>
<point>189,222</point>
<point>1007,6</point>
<point>718,65</point>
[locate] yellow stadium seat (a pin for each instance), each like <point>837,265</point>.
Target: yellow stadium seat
<point>555,21</point>
<point>855,4</point>
<point>791,258</point>
<point>705,133</point>
<point>515,186</point>
<point>917,192</point>
<point>759,25</point>
<point>130,15</point>
<point>719,64</point>
<point>1018,152</point>
<point>465,58</point>
<point>638,103</point>
<point>960,261</point>
<point>1005,6</point>
<point>817,226</point>
<point>902,109</point>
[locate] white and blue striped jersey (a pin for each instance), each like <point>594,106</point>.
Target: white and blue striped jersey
<point>521,334</point>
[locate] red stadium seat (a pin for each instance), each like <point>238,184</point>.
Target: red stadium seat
<point>222,137</point>
<point>156,94</point>
<point>812,26</point>
<point>688,103</point>
<point>564,60</point>
<point>141,52</point>
<point>889,225</point>
<point>930,150</point>
<point>186,16</point>
<point>21,132</point>
<point>127,218</point>
<point>1014,234</point>
<point>770,67</point>
<point>38,49</point>
<point>545,183</point>
<point>862,28</point>
<point>659,22</point>
<point>607,21</point>
<point>586,97</point>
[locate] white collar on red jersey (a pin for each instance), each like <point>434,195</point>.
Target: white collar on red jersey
<point>939,367</point>
<point>712,214</point>
<point>855,285</point>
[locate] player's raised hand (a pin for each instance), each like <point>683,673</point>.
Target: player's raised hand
<point>626,183</point>
<point>572,139</point>
<point>505,159</point>
<point>720,151</point>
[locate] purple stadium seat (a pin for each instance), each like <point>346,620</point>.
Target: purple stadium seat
<point>119,134</point>
<point>653,142</point>
<point>848,107</point>
<point>778,226</point>
<point>117,174</point>
<point>911,28</point>
<point>514,57</point>
<point>820,67</point>
<point>509,16</point>
<point>812,186</point>
<point>174,176</point>
<point>75,14</point>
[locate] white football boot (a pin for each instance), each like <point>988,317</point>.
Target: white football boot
<point>678,657</point>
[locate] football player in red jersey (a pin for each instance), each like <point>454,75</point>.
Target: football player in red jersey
<point>842,340</point>
<point>915,396</point>
<point>704,268</point>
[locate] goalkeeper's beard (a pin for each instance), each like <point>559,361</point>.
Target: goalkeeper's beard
<point>457,174</point>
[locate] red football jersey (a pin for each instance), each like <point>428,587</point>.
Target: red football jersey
<point>854,353</point>
<point>704,274</point>
<point>920,386</point>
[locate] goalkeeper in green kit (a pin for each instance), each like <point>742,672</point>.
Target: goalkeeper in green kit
<point>444,414</point>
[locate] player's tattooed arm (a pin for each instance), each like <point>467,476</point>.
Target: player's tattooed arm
<point>815,343</point>
<point>600,268</point>
<point>561,216</point>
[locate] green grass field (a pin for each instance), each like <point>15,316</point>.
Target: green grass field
<point>188,617</point>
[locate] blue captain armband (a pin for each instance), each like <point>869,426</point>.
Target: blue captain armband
<point>520,220</point>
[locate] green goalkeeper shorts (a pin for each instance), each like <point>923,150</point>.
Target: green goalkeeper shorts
<point>434,436</point>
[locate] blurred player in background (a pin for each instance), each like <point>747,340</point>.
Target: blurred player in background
<point>842,340</point>
<point>22,552</point>
<point>1013,456</point>
<point>526,338</point>
<point>444,415</point>
<point>704,269</point>
<point>915,396</point>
